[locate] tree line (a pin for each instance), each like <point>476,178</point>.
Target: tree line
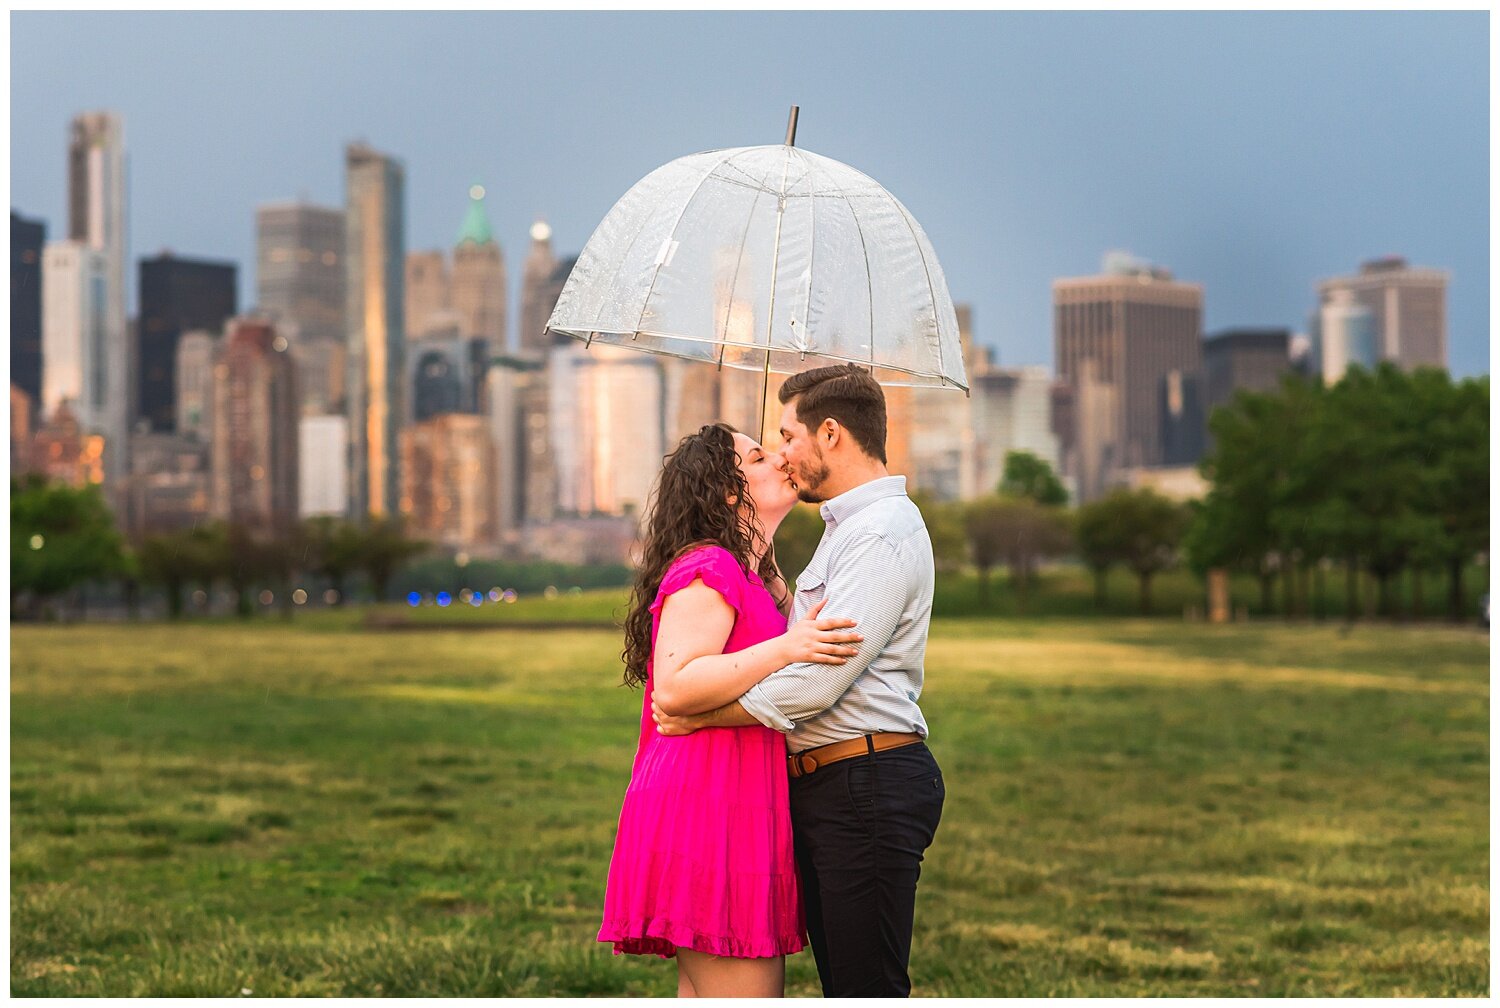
<point>64,537</point>
<point>1385,472</point>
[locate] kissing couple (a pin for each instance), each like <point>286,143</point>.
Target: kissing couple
<point>782,790</point>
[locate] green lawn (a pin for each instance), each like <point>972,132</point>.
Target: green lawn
<point>1134,807</point>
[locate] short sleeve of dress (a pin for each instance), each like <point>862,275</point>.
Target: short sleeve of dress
<point>714,565</point>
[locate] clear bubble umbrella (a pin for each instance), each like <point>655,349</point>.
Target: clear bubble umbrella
<point>772,259</point>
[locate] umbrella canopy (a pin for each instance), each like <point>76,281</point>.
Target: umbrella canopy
<point>768,258</point>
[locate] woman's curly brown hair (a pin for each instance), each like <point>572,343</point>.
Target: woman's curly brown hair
<point>700,499</point>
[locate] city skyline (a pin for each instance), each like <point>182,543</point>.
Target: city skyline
<point>1258,160</point>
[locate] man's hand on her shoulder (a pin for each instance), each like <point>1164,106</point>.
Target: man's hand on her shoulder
<point>667,724</point>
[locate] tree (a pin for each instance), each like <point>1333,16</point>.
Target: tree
<point>60,537</point>
<point>945,528</point>
<point>331,547</point>
<point>1149,529</point>
<point>283,554</point>
<point>1453,420</point>
<point>1382,473</point>
<point>1097,543</point>
<point>384,548</point>
<point>166,560</point>
<point>1258,504</point>
<point>1028,476</point>
<point>245,566</point>
<point>205,550</point>
<point>985,528</point>
<point>1017,532</point>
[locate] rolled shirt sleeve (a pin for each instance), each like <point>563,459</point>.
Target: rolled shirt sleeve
<point>867,582</point>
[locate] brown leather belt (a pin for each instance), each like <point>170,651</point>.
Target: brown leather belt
<point>810,760</point>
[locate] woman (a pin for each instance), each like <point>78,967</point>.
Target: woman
<point>702,867</point>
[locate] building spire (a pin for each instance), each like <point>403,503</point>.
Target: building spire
<point>476,226</point>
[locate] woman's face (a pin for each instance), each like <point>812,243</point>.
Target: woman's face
<point>771,487</point>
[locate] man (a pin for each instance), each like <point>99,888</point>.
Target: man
<point>866,794</point>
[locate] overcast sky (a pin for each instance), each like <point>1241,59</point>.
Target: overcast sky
<point>1254,153</point>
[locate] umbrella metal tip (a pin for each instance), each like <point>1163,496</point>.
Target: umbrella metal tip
<point>791,127</point>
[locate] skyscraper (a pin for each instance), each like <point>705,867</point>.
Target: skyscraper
<point>426,294</point>
<point>546,392</point>
<point>608,427</point>
<point>1182,422</point>
<point>1408,307</point>
<point>195,369</point>
<point>1348,334</point>
<point>537,301</point>
<point>1117,336</point>
<point>1012,411</point>
<point>510,390</point>
<point>448,480</point>
<point>942,443</point>
<point>96,219</point>
<point>375,259</point>
<point>169,487</point>
<point>22,415</point>
<point>299,274</point>
<point>322,452</point>
<point>454,319</point>
<point>27,237</point>
<point>299,280</point>
<point>1249,359</point>
<point>479,276</point>
<point>176,295</point>
<point>478,292</point>
<point>255,428</point>
<point>75,334</point>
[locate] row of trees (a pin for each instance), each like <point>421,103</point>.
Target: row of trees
<point>331,549</point>
<point>1385,472</point>
<point>62,537</point>
<point>1025,523</point>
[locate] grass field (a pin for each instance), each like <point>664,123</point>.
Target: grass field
<point>1133,808</point>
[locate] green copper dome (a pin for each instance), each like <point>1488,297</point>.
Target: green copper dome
<point>476,227</point>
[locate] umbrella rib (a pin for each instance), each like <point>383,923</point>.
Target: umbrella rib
<point>937,333</point>
<point>734,281</point>
<point>812,255</point>
<point>869,283</point>
<point>673,230</point>
<point>760,406</point>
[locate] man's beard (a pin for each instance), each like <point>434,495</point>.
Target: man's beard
<point>810,479</point>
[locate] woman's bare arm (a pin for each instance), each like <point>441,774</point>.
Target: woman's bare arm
<point>690,671</point>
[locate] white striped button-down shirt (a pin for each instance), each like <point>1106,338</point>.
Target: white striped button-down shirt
<point>874,565</point>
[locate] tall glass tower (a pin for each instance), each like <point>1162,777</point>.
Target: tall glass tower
<point>96,220</point>
<point>374,258</point>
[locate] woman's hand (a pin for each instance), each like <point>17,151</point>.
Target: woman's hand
<point>825,641</point>
<point>667,724</point>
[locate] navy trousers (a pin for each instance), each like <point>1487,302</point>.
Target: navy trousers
<point>860,827</point>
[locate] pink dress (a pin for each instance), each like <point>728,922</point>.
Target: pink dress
<point>703,855</point>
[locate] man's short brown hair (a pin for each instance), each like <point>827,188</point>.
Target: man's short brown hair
<point>848,394</point>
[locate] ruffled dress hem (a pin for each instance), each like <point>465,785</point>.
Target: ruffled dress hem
<point>663,938</point>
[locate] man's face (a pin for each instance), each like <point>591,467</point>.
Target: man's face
<point>803,458</point>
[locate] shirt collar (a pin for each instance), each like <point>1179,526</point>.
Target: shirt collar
<point>849,503</point>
